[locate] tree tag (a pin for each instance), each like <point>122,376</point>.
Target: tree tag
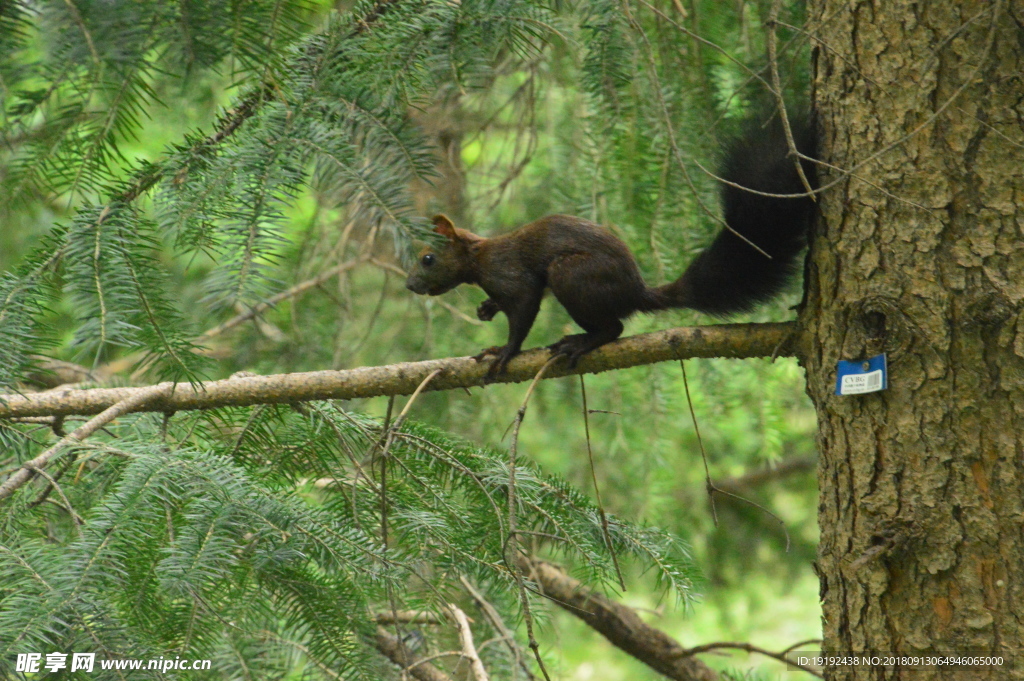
<point>866,376</point>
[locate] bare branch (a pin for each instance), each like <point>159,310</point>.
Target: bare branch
<point>270,302</point>
<point>50,373</point>
<point>773,63</point>
<point>785,468</point>
<point>407,617</point>
<point>495,619</point>
<point>781,657</point>
<point>513,540</point>
<point>618,623</point>
<point>468,648</point>
<point>727,340</point>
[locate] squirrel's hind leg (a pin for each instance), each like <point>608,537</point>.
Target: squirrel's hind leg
<point>577,345</point>
<point>597,292</point>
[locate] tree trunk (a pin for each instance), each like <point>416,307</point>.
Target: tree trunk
<point>922,485</point>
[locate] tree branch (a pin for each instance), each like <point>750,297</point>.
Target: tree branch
<point>468,647</point>
<point>495,619</point>
<point>130,403</point>
<point>624,629</point>
<point>785,468</point>
<point>747,647</point>
<point>48,373</point>
<point>270,302</point>
<point>618,623</point>
<point>727,340</point>
<point>407,617</point>
<point>391,646</point>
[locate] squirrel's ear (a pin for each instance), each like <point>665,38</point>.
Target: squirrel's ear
<point>444,226</point>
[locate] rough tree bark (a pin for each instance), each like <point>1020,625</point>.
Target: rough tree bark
<point>922,489</point>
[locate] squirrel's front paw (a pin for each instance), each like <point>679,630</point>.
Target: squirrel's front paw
<point>487,310</point>
<point>492,351</point>
<point>502,354</point>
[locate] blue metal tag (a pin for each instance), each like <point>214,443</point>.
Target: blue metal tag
<point>866,376</point>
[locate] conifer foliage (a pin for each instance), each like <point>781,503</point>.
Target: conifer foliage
<point>272,540</point>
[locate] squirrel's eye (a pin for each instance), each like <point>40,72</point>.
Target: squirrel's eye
<point>427,260</point>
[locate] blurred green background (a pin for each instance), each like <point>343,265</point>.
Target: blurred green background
<point>608,111</point>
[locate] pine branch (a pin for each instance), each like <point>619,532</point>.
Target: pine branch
<point>736,341</point>
<point>233,119</point>
<point>229,123</point>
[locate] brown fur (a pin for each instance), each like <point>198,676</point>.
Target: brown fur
<point>589,271</point>
<point>594,276</point>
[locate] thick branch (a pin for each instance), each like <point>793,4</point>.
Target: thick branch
<point>727,340</point>
<point>618,623</point>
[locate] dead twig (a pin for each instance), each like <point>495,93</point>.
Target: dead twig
<point>513,543</point>
<point>773,65</point>
<point>466,638</point>
<point>407,617</point>
<point>597,489</point>
<point>781,657</point>
<point>270,302</point>
<point>491,613</point>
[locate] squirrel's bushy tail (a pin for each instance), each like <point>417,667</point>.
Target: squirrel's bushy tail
<point>730,275</point>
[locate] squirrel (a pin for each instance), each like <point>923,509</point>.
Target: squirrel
<point>595,277</point>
